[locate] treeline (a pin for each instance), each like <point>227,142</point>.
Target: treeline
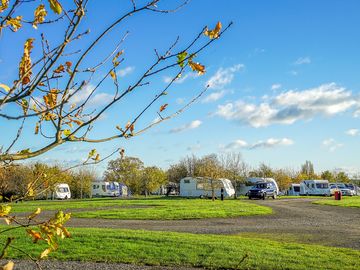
<point>38,180</point>
<point>233,167</point>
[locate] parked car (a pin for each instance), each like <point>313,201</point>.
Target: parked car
<point>262,190</point>
<point>345,191</point>
<point>353,188</point>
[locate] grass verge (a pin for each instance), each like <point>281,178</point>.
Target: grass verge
<point>345,202</point>
<point>160,208</point>
<point>197,250</point>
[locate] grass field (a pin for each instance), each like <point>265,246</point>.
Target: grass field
<point>183,249</point>
<point>345,202</point>
<point>159,208</point>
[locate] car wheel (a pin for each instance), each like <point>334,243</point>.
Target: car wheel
<point>264,196</point>
<point>274,196</point>
<point>249,197</point>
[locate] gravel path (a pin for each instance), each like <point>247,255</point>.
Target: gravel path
<point>329,225</point>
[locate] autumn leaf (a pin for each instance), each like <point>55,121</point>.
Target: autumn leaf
<point>78,122</point>
<point>25,71</point>
<point>68,64</point>
<point>115,59</point>
<point>45,253</point>
<point>55,6</point>
<point>24,105</point>
<point>163,107</point>
<point>51,98</point>
<point>181,59</point>
<point>8,266</point>
<point>39,14</point>
<point>37,127</point>
<point>15,23</point>
<point>130,127</point>
<point>197,67</point>
<point>35,213</point>
<point>113,75</point>
<point>97,158</point>
<point>213,33</point>
<point>5,87</point>
<point>59,69</point>
<point>24,151</point>
<point>4,210</point>
<point>4,5</point>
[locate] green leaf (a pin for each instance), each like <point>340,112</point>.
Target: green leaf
<point>181,57</point>
<point>55,6</point>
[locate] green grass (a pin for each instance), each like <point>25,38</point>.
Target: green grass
<point>183,249</point>
<point>345,202</point>
<point>158,208</point>
<point>180,209</point>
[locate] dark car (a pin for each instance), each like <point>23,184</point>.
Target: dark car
<point>262,190</point>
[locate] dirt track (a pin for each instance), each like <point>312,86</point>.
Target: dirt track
<point>307,222</point>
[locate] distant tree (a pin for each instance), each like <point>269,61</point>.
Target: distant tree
<point>327,175</point>
<point>152,179</point>
<point>176,172</point>
<point>80,183</point>
<point>307,168</point>
<point>342,177</point>
<point>282,178</point>
<point>127,170</point>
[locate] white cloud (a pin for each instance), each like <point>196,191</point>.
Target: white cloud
<point>331,145</point>
<point>276,86</point>
<point>180,101</point>
<point>352,132</point>
<point>125,71</point>
<point>294,72</point>
<point>192,125</point>
<point>97,98</point>
<point>269,143</point>
<point>223,76</point>
<point>302,61</point>
<point>291,106</point>
<point>180,80</point>
<point>214,96</point>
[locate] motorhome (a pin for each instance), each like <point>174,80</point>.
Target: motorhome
<point>294,190</point>
<point>105,189</point>
<point>252,181</point>
<point>61,192</point>
<point>315,187</point>
<point>203,187</point>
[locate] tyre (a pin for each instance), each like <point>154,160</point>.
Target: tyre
<point>264,196</point>
<point>274,196</point>
<point>250,198</point>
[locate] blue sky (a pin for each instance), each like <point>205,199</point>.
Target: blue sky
<point>284,84</point>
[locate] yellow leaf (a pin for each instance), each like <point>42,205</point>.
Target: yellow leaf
<point>35,213</point>
<point>8,266</point>
<point>115,59</point>
<point>181,58</point>
<point>5,87</point>
<point>4,210</point>
<point>92,153</point>
<point>55,6</point>
<point>67,132</point>
<point>24,151</point>
<point>37,127</point>
<point>4,5</point>
<point>163,107</point>
<point>59,69</point>
<point>113,75</point>
<point>97,158</point>
<point>25,71</point>
<point>213,33</point>
<point>15,23</point>
<point>197,67</point>
<point>39,14</point>
<point>45,253</point>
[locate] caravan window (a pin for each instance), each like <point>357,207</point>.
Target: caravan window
<point>63,189</point>
<point>322,185</point>
<point>103,188</point>
<point>296,188</point>
<point>199,186</point>
<point>186,181</point>
<point>313,185</point>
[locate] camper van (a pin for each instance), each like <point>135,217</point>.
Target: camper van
<point>252,181</point>
<point>61,192</point>
<point>315,187</point>
<point>202,187</point>
<point>105,189</point>
<point>294,190</point>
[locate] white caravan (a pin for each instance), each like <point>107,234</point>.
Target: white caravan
<point>61,192</point>
<point>202,187</point>
<point>294,190</point>
<point>315,187</point>
<point>105,189</point>
<point>252,181</point>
